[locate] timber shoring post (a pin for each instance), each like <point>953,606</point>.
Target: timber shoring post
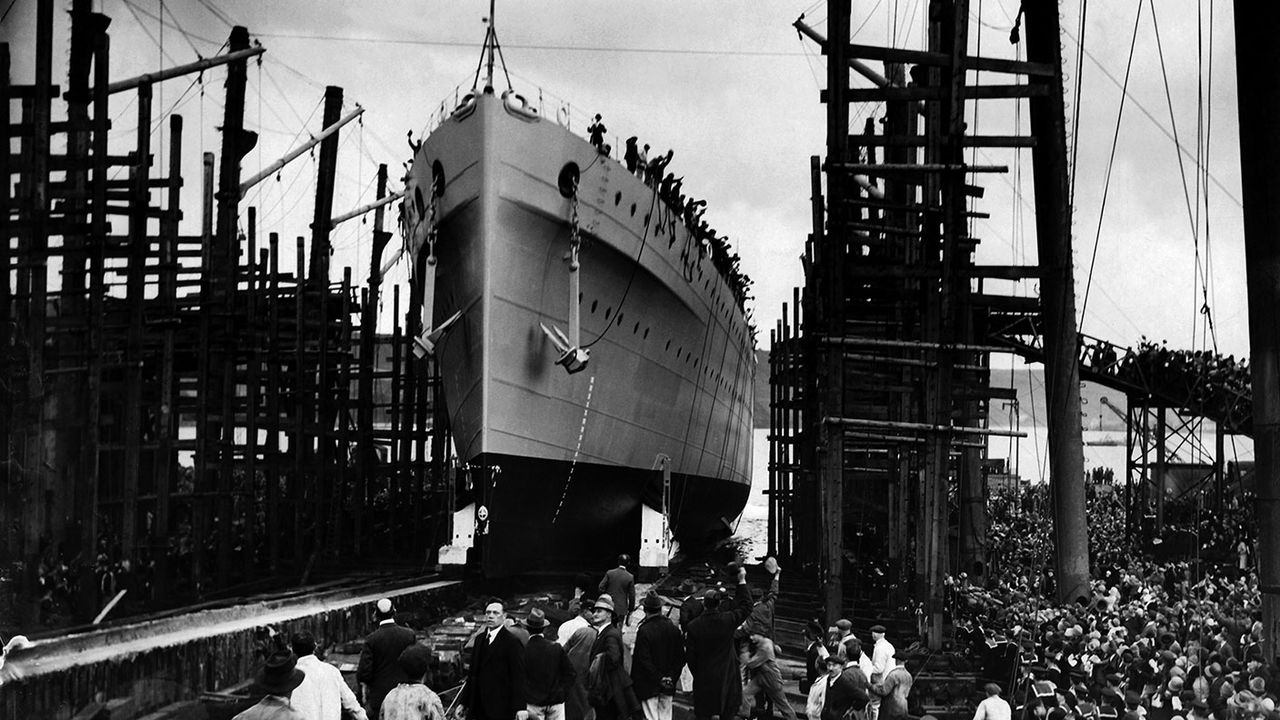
<point>299,443</point>
<point>167,429</point>
<point>1256,26</point>
<point>366,458</point>
<point>275,361</point>
<point>1058,305</point>
<point>236,142</point>
<point>200,482</point>
<point>37,511</point>
<point>9,533</point>
<point>774,348</point>
<point>318,271</point>
<point>90,464</point>
<point>70,389</point>
<point>140,206</point>
<point>831,361</point>
<point>395,473</point>
<point>342,467</point>
<point>253,380</point>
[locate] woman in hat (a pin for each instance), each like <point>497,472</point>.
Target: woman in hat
<point>278,679</point>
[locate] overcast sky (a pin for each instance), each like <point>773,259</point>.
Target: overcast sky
<point>731,88</point>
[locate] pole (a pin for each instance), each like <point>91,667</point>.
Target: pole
<point>1058,303</point>
<point>318,270</point>
<point>1257,55</point>
<point>829,362</point>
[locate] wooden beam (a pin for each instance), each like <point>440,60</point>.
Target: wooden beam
<point>920,140</point>
<point>943,60</point>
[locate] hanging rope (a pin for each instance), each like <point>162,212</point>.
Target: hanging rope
<point>1106,184</point>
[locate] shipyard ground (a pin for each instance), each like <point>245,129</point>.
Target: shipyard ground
<point>197,663</point>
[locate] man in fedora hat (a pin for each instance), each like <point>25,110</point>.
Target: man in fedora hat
<point>495,679</point>
<point>609,686</point>
<point>277,679</point>
<point>548,674</point>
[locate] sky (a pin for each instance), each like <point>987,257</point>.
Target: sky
<point>733,90</point>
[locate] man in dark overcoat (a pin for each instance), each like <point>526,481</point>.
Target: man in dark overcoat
<point>495,680</point>
<point>710,652</point>
<point>379,669</point>
<point>610,690</point>
<point>620,584</point>
<point>657,660</point>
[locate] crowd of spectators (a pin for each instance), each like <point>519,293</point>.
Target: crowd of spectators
<point>1157,638</point>
<point>1210,383</point>
<point>684,210</point>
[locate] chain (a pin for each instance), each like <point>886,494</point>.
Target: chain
<point>574,237</point>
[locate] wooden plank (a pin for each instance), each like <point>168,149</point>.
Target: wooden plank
<point>943,60</point>
<point>916,93</point>
<point>919,140</point>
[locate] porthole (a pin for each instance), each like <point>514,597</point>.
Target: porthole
<point>646,333</point>
<point>437,179</point>
<point>636,329</point>
<point>593,306</point>
<point>607,311</point>
<point>617,198</point>
<point>633,209</point>
<point>568,181</point>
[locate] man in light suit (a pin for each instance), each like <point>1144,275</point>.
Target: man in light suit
<point>495,680</point>
<point>620,585</point>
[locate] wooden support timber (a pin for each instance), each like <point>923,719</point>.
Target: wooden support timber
<point>179,422</point>
<point>894,325</point>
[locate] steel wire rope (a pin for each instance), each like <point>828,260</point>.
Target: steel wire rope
<point>1106,184</point>
<point>1147,113</point>
<point>257,189</point>
<point>129,6</point>
<point>1205,274</point>
<point>213,10</point>
<point>174,24</point>
<point>1182,172</point>
<point>684,446</point>
<point>722,52</point>
<point>635,266</point>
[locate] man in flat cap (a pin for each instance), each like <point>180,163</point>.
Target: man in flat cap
<point>882,653</point>
<point>379,669</point>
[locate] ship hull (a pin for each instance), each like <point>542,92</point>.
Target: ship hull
<point>672,361</point>
<point>550,515</point>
